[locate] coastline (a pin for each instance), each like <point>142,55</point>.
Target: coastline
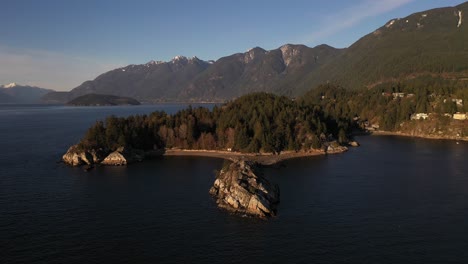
<point>119,157</point>
<point>402,134</point>
<point>262,159</point>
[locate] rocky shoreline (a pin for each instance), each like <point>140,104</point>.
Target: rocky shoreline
<point>122,156</point>
<point>402,134</point>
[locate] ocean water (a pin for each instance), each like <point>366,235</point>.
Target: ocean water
<point>392,200</point>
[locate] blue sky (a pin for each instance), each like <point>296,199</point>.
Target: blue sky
<point>59,44</point>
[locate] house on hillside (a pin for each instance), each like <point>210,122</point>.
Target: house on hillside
<point>460,116</point>
<point>459,102</point>
<point>419,116</point>
<point>396,95</point>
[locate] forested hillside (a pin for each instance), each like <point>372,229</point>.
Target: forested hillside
<point>390,105</point>
<point>432,42</point>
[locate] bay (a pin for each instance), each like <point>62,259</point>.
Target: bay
<point>392,200</point>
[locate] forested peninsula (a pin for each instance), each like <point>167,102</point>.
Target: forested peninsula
<point>253,127</point>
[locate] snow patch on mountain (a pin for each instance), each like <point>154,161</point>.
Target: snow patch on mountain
<point>179,58</point>
<point>10,85</point>
<point>153,62</point>
<point>460,18</point>
<point>390,23</point>
<point>193,59</point>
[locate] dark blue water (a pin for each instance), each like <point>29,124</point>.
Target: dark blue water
<point>393,200</point>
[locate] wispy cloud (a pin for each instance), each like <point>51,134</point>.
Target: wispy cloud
<point>349,17</point>
<point>48,69</point>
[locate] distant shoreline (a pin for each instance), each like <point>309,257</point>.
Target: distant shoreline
<point>183,102</point>
<point>401,134</point>
<point>263,159</point>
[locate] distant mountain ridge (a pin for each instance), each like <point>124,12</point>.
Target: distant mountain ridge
<point>192,79</point>
<point>24,94</point>
<point>432,42</point>
<point>258,70</point>
<point>152,81</point>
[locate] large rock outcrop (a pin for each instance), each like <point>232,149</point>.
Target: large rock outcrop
<point>116,158</point>
<point>76,156</point>
<point>240,188</point>
<point>123,156</point>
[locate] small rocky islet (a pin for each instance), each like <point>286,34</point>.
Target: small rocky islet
<point>241,188</point>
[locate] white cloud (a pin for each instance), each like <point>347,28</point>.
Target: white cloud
<point>347,18</point>
<point>48,69</point>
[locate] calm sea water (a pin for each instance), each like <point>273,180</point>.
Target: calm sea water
<point>393,200</point>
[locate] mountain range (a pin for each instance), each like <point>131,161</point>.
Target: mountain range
<point>433,42</point>
<point>21,94</point>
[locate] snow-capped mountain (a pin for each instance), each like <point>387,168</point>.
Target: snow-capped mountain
<point>24,94</point>
<point>432,42</point>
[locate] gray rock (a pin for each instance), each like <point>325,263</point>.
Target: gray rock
<point>239,188</point>
<point>76,156</point>
<point>123,156</point>
<point>115,159</point>
<point>335,148</point>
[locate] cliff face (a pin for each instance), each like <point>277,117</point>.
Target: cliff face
<point>239,188</point>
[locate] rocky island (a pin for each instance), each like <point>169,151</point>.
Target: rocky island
<point>240,188</point>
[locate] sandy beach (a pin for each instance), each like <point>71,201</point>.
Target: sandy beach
<point>264,159</point>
